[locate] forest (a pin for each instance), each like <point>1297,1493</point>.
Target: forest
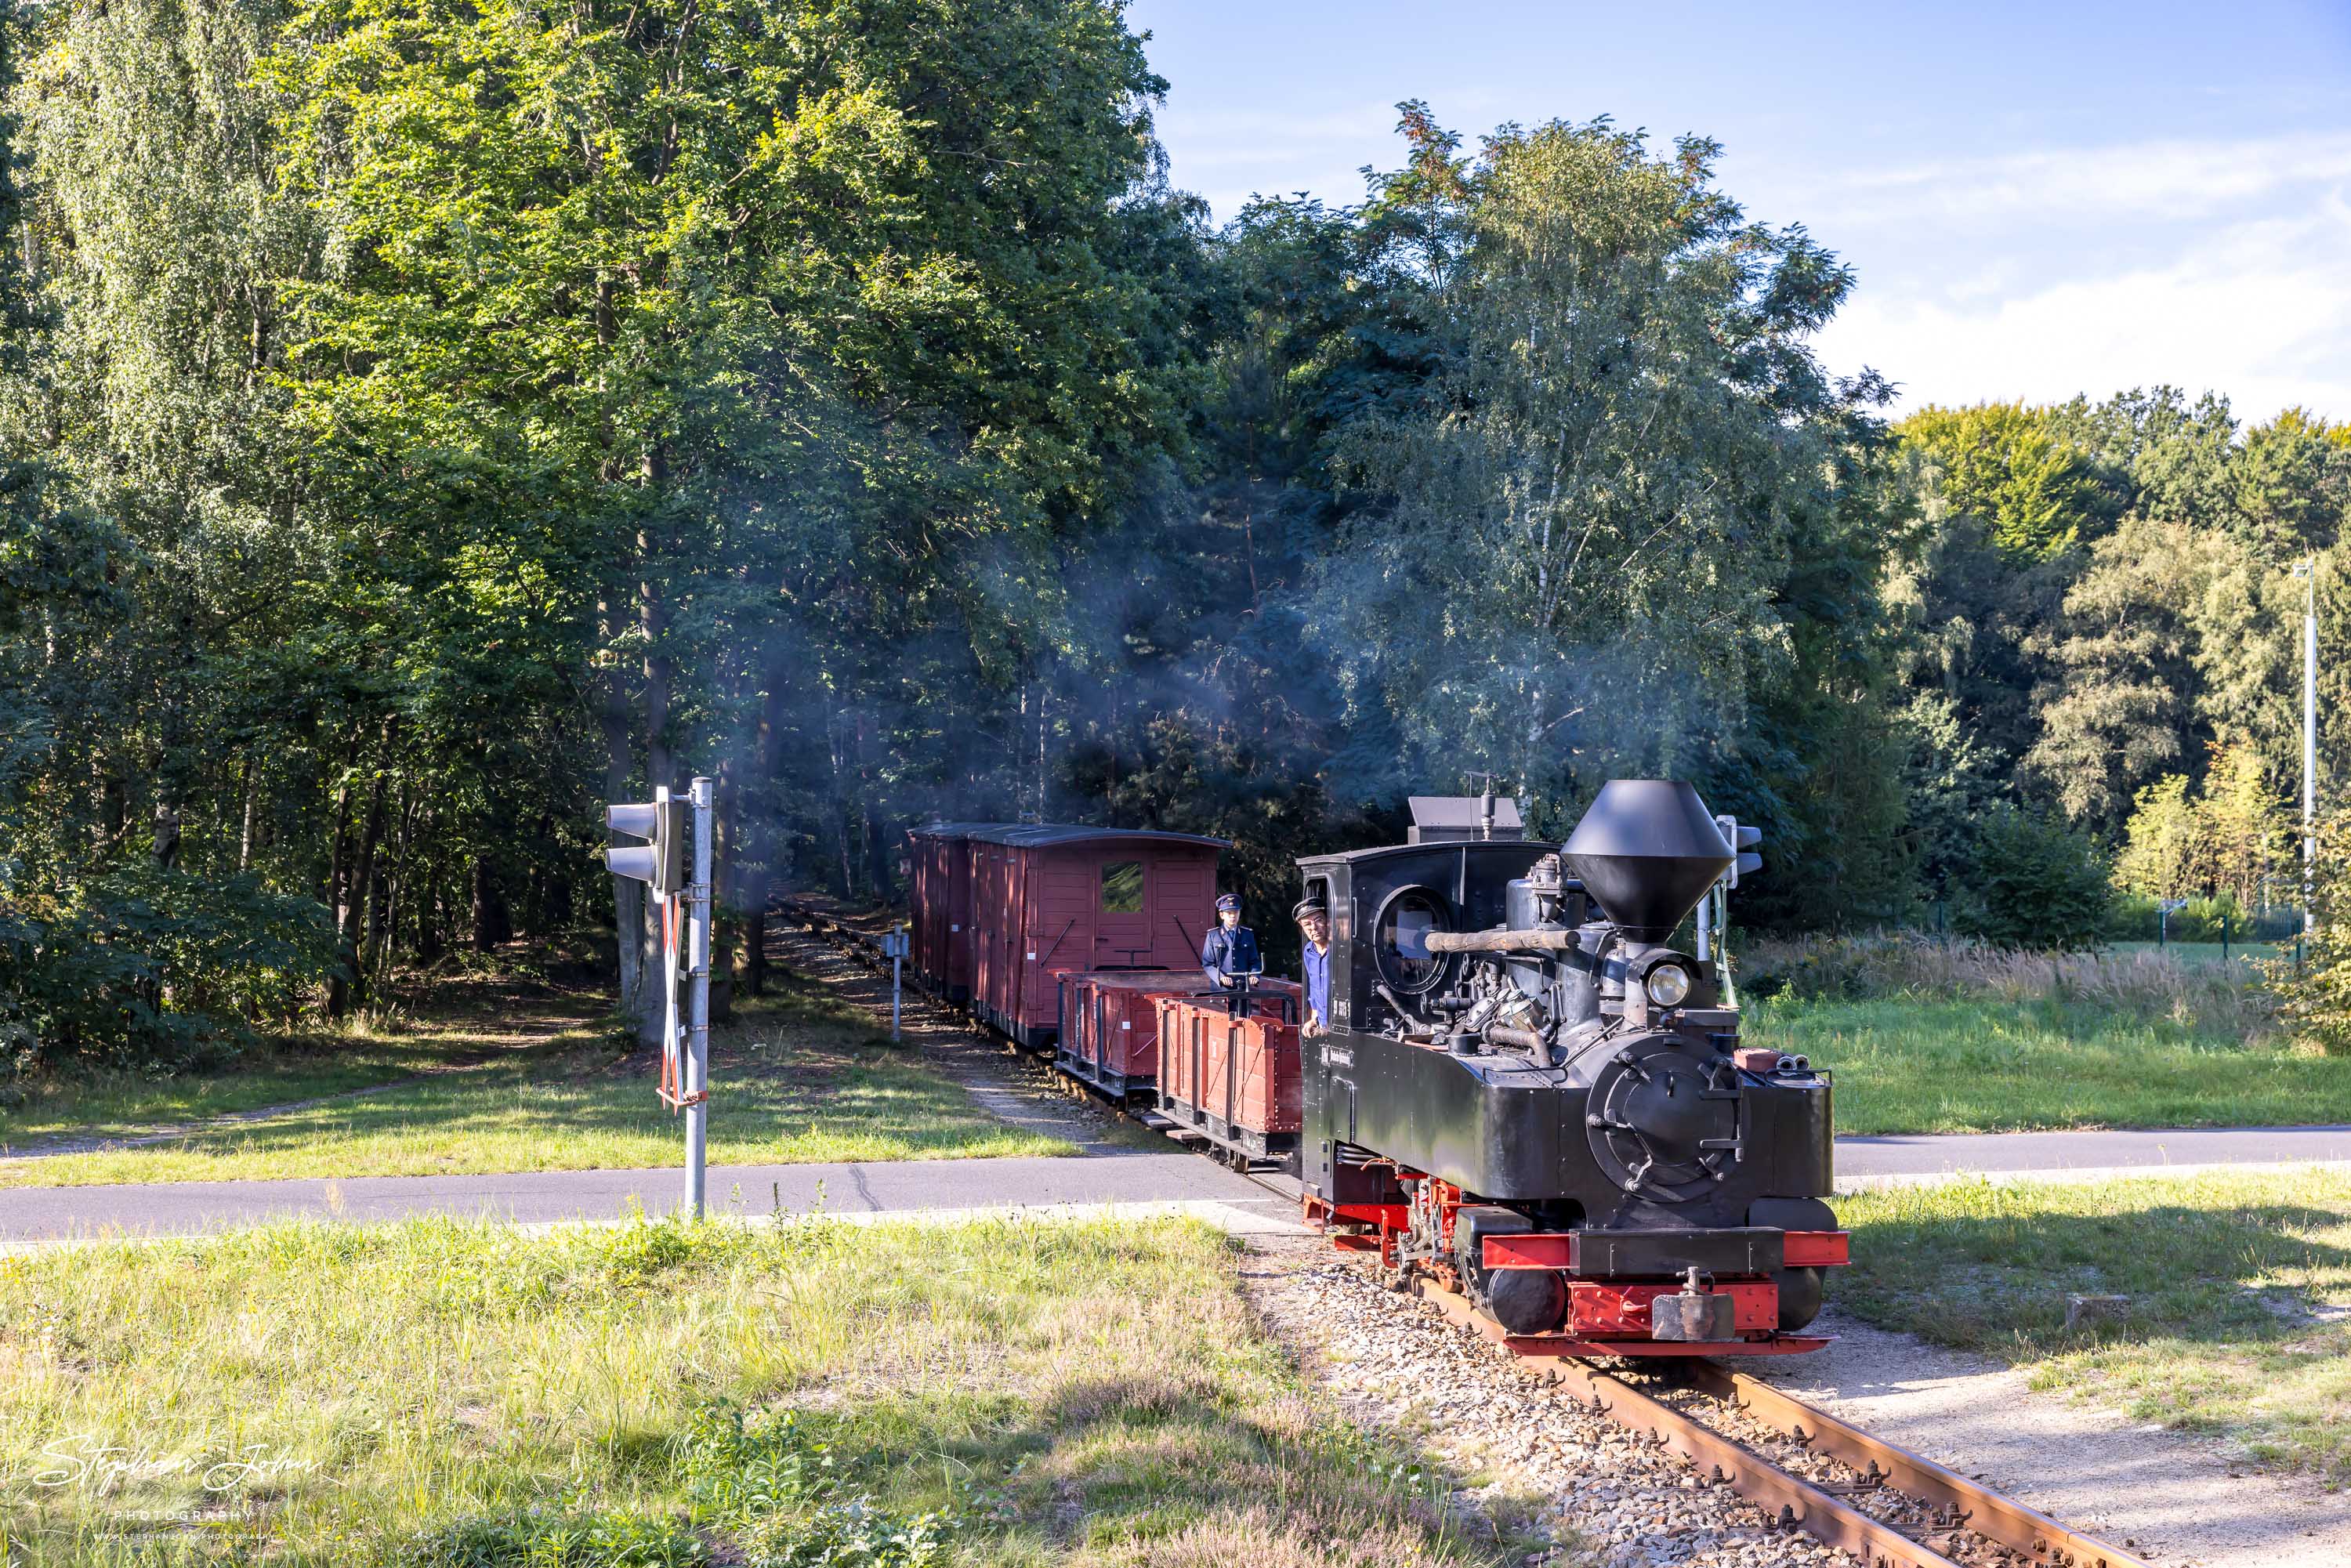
<point>422,422</point>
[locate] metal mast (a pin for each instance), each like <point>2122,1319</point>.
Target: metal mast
<point>2308,571</point>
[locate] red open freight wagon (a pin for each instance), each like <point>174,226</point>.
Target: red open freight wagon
<point>1110,1027</point>
<point>1049,900</point>
<point>1234,1077</point>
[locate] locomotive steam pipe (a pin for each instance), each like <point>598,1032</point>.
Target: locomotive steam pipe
<point>1416,1027</point>
<point>1525,1040</point>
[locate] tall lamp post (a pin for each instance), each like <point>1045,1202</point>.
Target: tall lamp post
<point>2307,569</point>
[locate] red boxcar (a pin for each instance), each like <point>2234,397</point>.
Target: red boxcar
<point>1049,899</point>
<point>939,906</point>
<point>1110,1027</point>
<point>1234,1078</point>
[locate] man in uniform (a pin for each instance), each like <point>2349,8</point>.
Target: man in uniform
<point>1230,949</point>
<point>1314,920</point>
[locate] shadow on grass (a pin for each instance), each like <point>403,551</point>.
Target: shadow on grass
<point>796,1078</point>
<point>2230,1316</point>
<point>1048,1393</point>
<point>476,1019</point>
<point>1111,1470</point>
<point>2187,1273</point>
<point>1174,1468</point>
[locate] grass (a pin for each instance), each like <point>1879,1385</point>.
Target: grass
<point>2141,984</point>
<point>1907,1064</point>
<point>1928,1035</point>
<point>476,1019</point>
<point>439,1392</point>
<point>2239,1286</point>
<point>797,1079</point>
<point>2199,954</point>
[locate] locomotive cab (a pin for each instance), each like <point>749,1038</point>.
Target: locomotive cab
<point>1527,1093</point>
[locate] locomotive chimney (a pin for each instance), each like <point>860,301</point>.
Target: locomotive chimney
<point>1647,852</point>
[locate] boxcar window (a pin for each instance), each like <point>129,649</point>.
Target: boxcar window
<point>1122,888</point>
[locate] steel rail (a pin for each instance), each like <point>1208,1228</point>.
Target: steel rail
<point>1797,1503</point>
<point>1985,1512</point>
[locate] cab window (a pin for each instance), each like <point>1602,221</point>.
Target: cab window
<point>1400,943</point>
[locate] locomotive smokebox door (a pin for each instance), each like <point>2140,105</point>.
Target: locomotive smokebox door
<point>1667,1122</point>
<point>1694,1313</point>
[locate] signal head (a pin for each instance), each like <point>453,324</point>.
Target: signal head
<point>661,863</point>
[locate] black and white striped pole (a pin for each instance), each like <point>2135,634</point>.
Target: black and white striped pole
<point>895,945</point>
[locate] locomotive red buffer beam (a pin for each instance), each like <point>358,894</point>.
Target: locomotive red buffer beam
<point>1619,1317</point>
<point>1564,1251</point>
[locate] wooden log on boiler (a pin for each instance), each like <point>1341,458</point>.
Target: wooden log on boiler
<point>1553,941</point>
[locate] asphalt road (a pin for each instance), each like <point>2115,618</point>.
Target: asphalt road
<point>1899,1154</point>
<point>38,1213</point>
<point>1110,1176</point>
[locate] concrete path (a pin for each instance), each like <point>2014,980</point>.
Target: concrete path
<point>1107,1176</point>
<point>1899,1158</point>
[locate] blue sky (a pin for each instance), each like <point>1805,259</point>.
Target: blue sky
<point>2039,200</point>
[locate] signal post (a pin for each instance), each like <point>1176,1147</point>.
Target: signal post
<point>661,863</point>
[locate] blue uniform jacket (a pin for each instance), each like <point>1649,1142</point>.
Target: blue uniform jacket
<point>1227,951</point>
<point>1317,965</point>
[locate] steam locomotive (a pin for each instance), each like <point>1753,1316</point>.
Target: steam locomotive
<point>1526,1095</point>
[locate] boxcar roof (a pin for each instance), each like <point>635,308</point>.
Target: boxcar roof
<point>1061,835</point>
<point>948,830</point>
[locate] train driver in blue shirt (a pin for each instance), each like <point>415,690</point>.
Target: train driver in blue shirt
<point>1315,957</point>
<point>1230,949</point>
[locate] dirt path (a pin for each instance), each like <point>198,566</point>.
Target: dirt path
<point>1015,1087</point>
<point>2185,1500</point>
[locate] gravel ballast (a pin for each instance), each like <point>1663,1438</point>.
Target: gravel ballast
<point>1606,1496</point>
<point>1608,1499</point>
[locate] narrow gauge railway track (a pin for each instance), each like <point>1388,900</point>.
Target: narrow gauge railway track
<point>1887,1507</point>
<point>1876,1500</point>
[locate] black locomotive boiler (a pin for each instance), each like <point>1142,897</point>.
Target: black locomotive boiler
<point>1524,1094</point>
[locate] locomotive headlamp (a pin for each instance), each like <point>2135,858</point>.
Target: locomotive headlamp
<point>1668,983</point>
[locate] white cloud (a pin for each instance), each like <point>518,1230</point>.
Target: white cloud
<point>2164,180</point>
<point>2219,265</point>
<point>2259,311</point>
